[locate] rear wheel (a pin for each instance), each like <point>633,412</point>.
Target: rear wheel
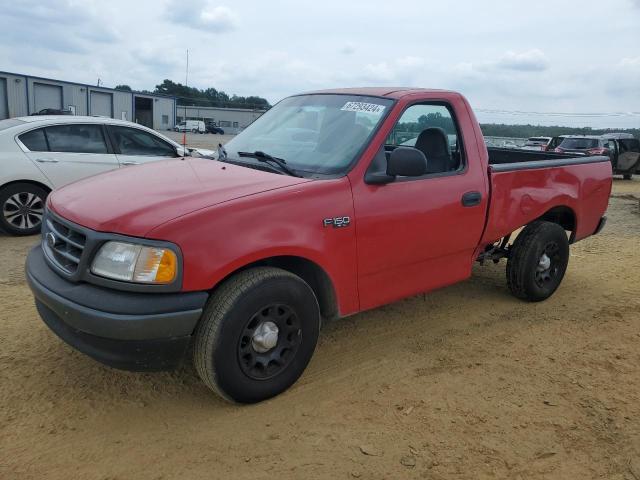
<point>538,261</point>
<point>627,176</point>
<point>257,334</point>
<point>22,208</point>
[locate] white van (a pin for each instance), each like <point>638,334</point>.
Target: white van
<point>195,126</point>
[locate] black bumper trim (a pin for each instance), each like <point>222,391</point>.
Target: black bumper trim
<point>134,355</point>
<point>154,323</point>
<point>115,326</point>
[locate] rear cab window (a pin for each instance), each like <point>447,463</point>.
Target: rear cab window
<point>579,143</point>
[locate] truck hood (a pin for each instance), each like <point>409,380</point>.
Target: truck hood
<point>134,200</point>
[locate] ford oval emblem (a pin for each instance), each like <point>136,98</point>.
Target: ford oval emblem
<point>51,240</point>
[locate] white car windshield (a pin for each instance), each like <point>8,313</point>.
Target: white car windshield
<point>321,133</point>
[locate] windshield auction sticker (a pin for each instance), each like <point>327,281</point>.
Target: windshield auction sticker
<point>363,107</point>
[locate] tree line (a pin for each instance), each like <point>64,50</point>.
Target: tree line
<point>209,97</point>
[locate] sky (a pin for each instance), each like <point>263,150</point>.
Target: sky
<point>569,57</point>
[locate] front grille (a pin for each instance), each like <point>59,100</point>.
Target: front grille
<point>63,244</point>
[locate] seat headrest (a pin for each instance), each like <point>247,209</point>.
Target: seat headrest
<point>433,142</point>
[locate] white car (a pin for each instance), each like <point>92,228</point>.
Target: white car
<point>40,153</point>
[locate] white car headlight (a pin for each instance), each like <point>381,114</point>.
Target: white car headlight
<point>135,263</point>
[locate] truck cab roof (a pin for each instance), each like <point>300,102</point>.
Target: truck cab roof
<point>389,92</point>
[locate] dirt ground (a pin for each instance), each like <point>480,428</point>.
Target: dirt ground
<point>466,382</point>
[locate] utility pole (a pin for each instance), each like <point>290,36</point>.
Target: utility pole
<point>186,84</point>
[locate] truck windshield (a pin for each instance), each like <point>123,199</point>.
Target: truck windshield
<point>314,133</point>
<point>579,143</point>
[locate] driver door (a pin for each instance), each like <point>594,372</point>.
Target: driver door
<point>415,234</point>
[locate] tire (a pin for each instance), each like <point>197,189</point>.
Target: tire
<point>22,208</point>
<point>627,176</point>
<point>227,352</point>
<point>526,277</point>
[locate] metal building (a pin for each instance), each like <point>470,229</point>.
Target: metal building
<point>22,95</point>
<point>231,120</point>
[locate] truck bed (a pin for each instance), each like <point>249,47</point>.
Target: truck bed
<point>525,185</point>
<point>512,155</point>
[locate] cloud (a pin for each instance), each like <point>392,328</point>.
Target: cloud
<point>349,49</point>
<point>630,62</point>
<point>529,61</point>
<point>202,14</point>
<point>410,62</point>
<point>57,25</point>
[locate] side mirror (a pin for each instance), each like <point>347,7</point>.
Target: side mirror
<point>407,162</point>
<point>183,152</point>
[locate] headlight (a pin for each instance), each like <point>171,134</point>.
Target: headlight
<point>135,263</point>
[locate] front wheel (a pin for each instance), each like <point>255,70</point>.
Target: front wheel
<point>22,208</point>
<point>257,334</point>
<point>538,261</point>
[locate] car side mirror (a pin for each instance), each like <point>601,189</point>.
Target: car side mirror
<point>182,151</point>
<point>407,162</point>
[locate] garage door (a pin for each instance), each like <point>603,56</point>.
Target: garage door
<point>4,110</point>
<point>47,96</point>
<point>101,104</point>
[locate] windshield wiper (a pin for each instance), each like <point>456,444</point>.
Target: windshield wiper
<point>265,157</point>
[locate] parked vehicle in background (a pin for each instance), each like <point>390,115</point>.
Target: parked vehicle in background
<point>583,145</point>
<point>40,153</point>
<point>240,261</point>
<point>537,143</point>
<point>622,148</point>
<point>54,111</point>
<point>212,128</point>
<point>193,126</point>
<point>624,152</point>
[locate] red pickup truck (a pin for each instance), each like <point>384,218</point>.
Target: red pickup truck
<point>331,203</point>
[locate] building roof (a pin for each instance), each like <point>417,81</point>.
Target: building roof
<point>93,87</point>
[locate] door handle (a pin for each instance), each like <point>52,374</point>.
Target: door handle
<point>471,199</point>
<point>46,160</point>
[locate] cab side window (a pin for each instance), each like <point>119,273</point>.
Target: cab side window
<point>432,129</point>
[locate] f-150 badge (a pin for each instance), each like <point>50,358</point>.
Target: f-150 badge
<point>337,222</point>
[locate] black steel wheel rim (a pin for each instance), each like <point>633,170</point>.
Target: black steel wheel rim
<point>265,365</point>
<point>546,277</point>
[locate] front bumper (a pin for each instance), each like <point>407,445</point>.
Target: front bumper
<point>132,331</point>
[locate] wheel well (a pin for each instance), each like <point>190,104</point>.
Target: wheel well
<point>563,216</point>
<point>311,273</point>
<point>31,182</point>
